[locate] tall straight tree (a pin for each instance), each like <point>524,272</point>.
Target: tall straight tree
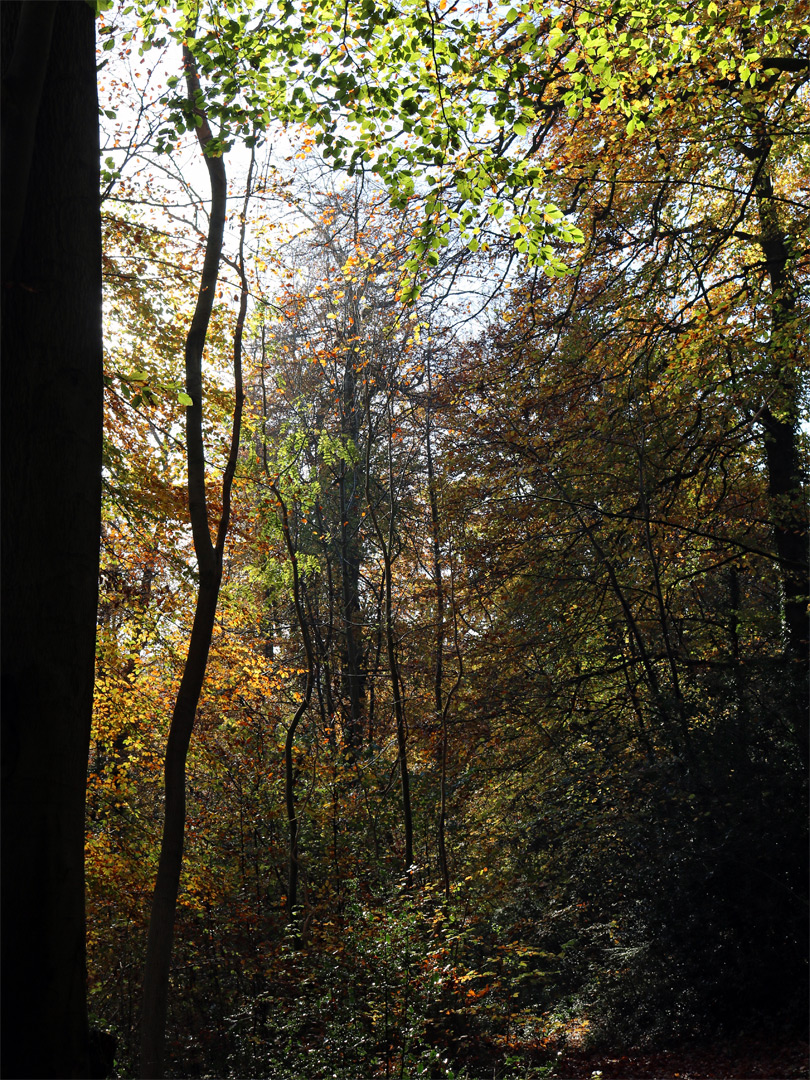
<point>51,446</point>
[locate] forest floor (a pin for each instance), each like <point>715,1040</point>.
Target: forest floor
<point>742,1059</point>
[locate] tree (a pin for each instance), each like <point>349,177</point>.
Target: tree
<point>52,445</point>
<point>348,359</point>
<point>532,71</point>
<point>209,557</point>
<point>480,119</point>
<point>624,497</point>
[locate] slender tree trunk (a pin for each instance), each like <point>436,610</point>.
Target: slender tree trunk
<point>51,523</point>
<point>441,703</point>
<point>438,674</point>
<point>399,713</point>
<point>390,645</point>
<point>353,681</point>
<point>780,421</point>
<point>209,561</point>
<point>289,742</point>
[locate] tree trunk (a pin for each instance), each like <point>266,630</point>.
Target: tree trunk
<point>348,491</point>
<point>390,644</point>
<point>51,524</point>
<point>780,421</point>
<point>289,742</point>
<point>209,561</point>
<point>438,674</point>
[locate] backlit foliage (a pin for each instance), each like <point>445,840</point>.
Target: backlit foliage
<point>515,516</point>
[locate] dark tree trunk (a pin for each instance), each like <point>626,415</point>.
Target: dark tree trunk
<point>209,561</point>
<point>780,418</point>
<point>352,675</point>
<point>386,547</point>
<point>293,826</point>
<point>51,447</point>
<point>438,674</point>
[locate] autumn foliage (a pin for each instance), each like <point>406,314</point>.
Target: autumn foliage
<point>501,751</point>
